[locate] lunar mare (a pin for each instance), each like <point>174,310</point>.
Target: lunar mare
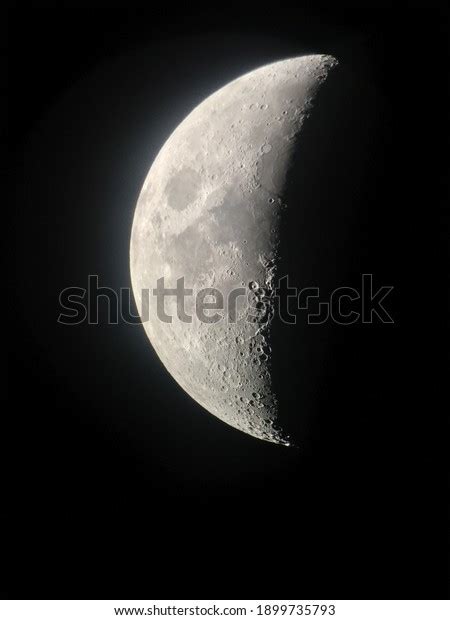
<point>209,211</point>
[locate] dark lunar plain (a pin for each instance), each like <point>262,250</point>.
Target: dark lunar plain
<point>116,484</point>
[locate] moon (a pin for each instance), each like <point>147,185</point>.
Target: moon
<point>209,212</point>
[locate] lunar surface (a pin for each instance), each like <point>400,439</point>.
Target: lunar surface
<point>209,212</point>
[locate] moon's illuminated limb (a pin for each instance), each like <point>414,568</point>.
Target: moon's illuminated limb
<point>209,212</point>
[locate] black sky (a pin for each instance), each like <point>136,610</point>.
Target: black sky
<point>117,484</point>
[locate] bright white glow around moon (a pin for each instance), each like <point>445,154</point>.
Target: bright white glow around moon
<point>209,211</point>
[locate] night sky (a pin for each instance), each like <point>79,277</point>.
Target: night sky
<point>119,485</point>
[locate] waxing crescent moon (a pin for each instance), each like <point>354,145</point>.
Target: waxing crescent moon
<point>209,211</point>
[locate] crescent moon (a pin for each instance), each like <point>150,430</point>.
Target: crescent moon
<point>209,212</point>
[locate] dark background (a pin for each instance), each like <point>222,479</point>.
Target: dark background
<point>117,484</point>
